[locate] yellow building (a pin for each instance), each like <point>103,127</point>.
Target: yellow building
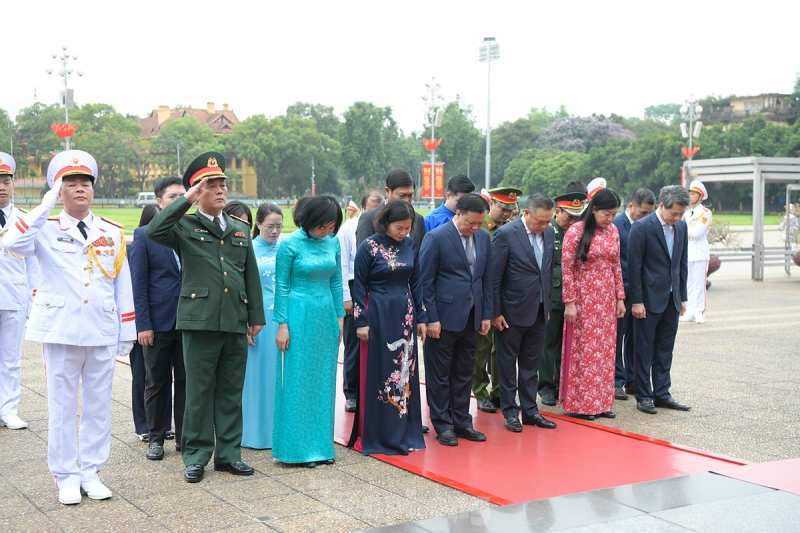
<point>774,106</point>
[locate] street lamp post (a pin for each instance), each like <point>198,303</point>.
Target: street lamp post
<point>490,50</point>
<point>433,116</point>
<point>64,72</point>
<point>690,111</point>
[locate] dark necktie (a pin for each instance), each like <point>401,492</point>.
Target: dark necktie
<point>217,222</point>
<point>2,219</point>
<point>470,251</point>
<point>82,228</point>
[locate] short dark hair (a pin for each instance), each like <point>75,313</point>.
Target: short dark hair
<point>372,193</point>
<point>315,211</point>
<point>472,202</point>
<point>539,200</point>
<point>163,184</point>
<point>239,210</point>
<point>575,186</point>
<point>643,196</point>
<point>148,214</point>
<point>399,178</point>
<point>269,208</point>
<point>394,211</point>
<point>674,194</point>
<point>460,184</point>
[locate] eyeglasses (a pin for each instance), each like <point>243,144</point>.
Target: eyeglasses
<point>272,227</point>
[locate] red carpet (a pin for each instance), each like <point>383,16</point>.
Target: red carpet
<point>781,475</point>
<point>510,467</point>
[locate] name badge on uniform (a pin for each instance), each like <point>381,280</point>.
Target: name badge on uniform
<point>239,234</point>
<point>198,230</point>
<point>65,239</point>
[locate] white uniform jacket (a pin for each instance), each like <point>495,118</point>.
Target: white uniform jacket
<point>18,274</point>
<point>76,302</point>
<point>698,220</point>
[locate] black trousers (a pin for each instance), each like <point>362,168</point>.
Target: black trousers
<point>161,360</point>
<point>520,346</point>
<point>352,346</point>
<point>626,333</point>
<point>449,361</point>
<point>137,389</point>
<point>655,340</point>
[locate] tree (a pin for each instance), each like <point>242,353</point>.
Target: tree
<point>326,120</point>
<point>461,140</point>
<point>6,131</point>
<point>664,113</point>
<point>369,139</point>
<point>581,134</point>
<point>193,137</point>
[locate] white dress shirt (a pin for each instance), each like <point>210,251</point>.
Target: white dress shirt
<point>223,223</point>
<point>347,242</point>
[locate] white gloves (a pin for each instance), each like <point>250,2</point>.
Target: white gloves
<point>124,348</point>
<point>51,197</point>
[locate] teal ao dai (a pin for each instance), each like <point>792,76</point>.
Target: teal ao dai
<point>308,298</point>
<point>258,395</point>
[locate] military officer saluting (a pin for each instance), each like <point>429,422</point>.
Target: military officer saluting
<point>502,202</point>
<point>82,313</point>
<point>220,304</point>
<point>18,276</point>
<point>569,208</point>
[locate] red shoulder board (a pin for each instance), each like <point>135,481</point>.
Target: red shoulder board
<point>113,223</point>
<point>52,218</point>
<point>239,219</point>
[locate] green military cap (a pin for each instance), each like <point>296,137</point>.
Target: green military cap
<point>507,197</point>
<point>573,203</point>
<point>207,165</point>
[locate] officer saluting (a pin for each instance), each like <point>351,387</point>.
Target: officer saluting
<point>83,314</point>
<point>18,277</point>
<point>220,304</point>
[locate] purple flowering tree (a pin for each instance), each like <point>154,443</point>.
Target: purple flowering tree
<point>581,134</point>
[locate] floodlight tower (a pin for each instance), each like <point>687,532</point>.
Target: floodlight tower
<point>489,51</point>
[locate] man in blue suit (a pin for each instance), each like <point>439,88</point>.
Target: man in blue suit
<point>522,265</point>
<point>657,271</point>
<point>642,203</point>
<point>456,273</point>
<point>156,276</point>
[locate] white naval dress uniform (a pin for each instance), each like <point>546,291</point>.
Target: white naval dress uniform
<point>18,277</point>
<point>698,219</point>
<point>81,316</point>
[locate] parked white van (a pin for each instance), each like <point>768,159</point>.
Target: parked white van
<point>145,198</point>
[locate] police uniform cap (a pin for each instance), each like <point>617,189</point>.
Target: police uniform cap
<point>207,165</point>
<point>506,197</point>
<point>71,163</point>
<point>573,203</point>
<point>7,165</point>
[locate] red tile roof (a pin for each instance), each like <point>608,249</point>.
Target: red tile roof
<point>222,122</point>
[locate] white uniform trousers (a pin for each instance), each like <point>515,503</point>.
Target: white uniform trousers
<point>65,367</point>
<point>12,327</point>
<point>696,289</point>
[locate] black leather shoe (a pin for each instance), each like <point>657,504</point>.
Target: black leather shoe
<point>549,399</point>
<point>425,428</point>
<point>487,406</point>
<point>178,446</point>
<point>447,438</point>
<point>539,421</point>
<point>169,435</point>
<point>607,414</point>
<point>620,394</point>
<point>470,434</point>
<point>237,468</point>
<point>193,473</point>
<point>496,402</point>
<point>350,405</point>
<point>672,404</point>
<point>584,417</point>
<point>155,451</point>
<point>646,406</point>
<point>309,465</point>
<point>513,425</point>
<point>630,389</point>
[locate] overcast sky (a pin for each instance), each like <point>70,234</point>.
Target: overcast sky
<point>261,56</point>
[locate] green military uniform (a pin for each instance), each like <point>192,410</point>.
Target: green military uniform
<point>550,366</point>
<point>485,371</point>
<point>220,297</point>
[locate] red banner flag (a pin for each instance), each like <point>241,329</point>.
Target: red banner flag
<point>427,185</point>
<point>438,175</point>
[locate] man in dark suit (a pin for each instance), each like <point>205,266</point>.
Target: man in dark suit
<point>456,273</point>
<point>399,186</point>
<point>156,276</point>
<point>657,271</point>
<point>522,263</point>
<point>642,203</point>
<point>220,305</point>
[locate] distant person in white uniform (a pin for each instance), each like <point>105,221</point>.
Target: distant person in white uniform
<point>18,277</point>
<point>83,314</point>
<point>698,220</point>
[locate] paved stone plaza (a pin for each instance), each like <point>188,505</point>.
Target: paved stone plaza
<point>739,371</point>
